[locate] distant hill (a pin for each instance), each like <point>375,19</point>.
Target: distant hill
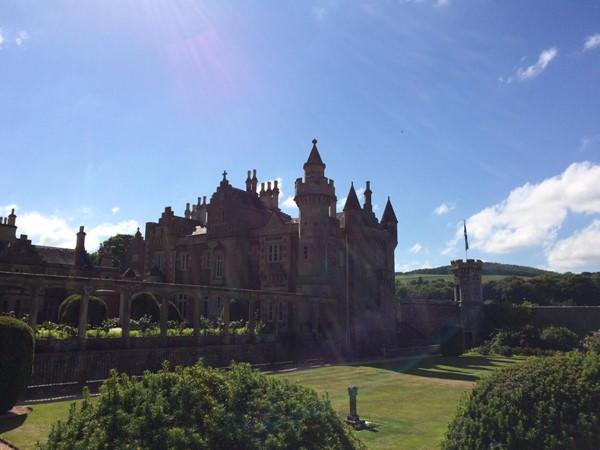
<point>489,268</point>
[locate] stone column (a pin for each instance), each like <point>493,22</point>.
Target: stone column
<point>35,307</point>
<point>83,314</point>
<point>164,314</point>
<point>226,303</point>
<point>251,315</point>
<point>352,393</point>
<point>276,318</point>
<point>196,313</point>
<point>125,315</point>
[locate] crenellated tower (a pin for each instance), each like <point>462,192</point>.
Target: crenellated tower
<point>468,293</point>
<point>315,197</point>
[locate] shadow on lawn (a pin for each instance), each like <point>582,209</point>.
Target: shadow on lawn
<point>464,368</point>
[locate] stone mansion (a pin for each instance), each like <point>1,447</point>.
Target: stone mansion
<point>328,273</point>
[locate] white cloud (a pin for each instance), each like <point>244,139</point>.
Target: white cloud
<point>21,37</point>
<point>289,203</point>
<point>86,210</point>
<point>1,38</point>
<point>533,215</point>
<point>415,248</point>
<point>55,231</point>
<point>592,42</point>
<point>444,208</point>
<point>535,69</point>
<point>582,249</point>
<point>100,233</point>
<point>115,210</point>
<point>588,141</point>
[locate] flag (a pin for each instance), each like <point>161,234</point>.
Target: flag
<point>465,232</point>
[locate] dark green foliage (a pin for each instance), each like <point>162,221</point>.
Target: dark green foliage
<point>16,360</point>
<point>115,247</point>
<point>145,304</point>
<point>506,316</point>
<point>452,341</point>
<point>489,268</point>
<point>558,338</point>
<point>548,289</point>
<point>203,408</point>
<point>425,289</point>
<point>68,311</point>
<point>542,403</point>
<point>592,342</point>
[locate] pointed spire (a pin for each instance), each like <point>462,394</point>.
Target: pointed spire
<point>352,200</point>
<point>388,213</point>
<point>314,166</point>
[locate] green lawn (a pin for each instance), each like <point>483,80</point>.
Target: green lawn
<point>413,400</point>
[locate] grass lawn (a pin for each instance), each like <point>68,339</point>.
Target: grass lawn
<point>412,399</point>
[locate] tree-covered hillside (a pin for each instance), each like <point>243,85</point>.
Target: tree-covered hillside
<point>489,268</point>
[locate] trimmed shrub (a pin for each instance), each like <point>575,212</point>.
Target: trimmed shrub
<point>16,360</point>
<point>203,408</point>
<point>452,341</point>
<point>68,311</point>
<point>551,402</point>
<point>146,304</point>
<point>558,338</point>
<point>592,342</point>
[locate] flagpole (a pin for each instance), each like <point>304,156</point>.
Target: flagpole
<point>466,240</point>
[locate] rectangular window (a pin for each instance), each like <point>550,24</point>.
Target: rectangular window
<point>306,252</point>
<point>270,312</point>
<point>280,318</point>
<point>205,307</point>
<point>274,253</point>
<point>219,265</point>
<point>159,260</point>
<point>184,261</point>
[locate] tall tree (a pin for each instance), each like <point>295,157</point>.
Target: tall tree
<point>114,247</point>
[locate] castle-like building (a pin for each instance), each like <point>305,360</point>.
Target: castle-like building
<point>240,239</point>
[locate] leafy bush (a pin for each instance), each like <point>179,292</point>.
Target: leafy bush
<point>558,338</point>
<point>592,342</point>
<point>16,360</point>
<point>68,311</point>
<point>145,304</point>
<point>51,330</point>
<point>452,342</point>
<point>202,408</point>
<point>551,402</point>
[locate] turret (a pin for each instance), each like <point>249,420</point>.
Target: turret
<point>389,222</point>
<point>315,196</point>
<point>468,293</point>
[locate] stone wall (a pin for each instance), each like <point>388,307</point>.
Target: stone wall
<point>424,318</point>
<point>581,319</point>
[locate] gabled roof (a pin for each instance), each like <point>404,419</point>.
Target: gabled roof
<point>352,200</point>
<point>56,255</point>
<point>388,213</point>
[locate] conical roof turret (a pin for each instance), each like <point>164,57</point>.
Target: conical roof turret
<point>314,166</point>
<point>352,200</point>
<point>388,213</point>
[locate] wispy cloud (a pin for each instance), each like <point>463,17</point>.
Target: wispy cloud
<point>534,70</point>
<point>115,210</point>
<point>592,42</point>
<point>415,248</point>
<point>86,210</point>
<point>1,37</point>
<point>319,13</point>
<point>588,141</point>
<point>444,208</point>
<point>533,214</point>
<point>22,36</point>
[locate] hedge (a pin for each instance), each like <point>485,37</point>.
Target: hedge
<point>68,311</point>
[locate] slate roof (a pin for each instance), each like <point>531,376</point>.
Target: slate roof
<point>55,255</point>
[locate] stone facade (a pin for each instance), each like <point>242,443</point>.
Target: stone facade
<point>325,274</point>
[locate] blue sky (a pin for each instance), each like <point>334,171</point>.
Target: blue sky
<point>484,111</point>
